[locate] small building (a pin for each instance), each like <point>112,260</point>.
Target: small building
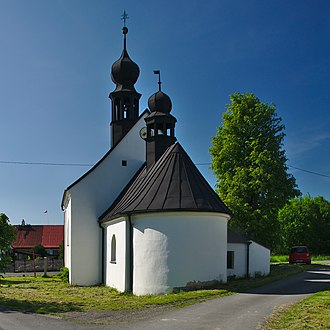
<point>29,236</point>
<point>246,258</point>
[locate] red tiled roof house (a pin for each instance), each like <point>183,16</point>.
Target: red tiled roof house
<point>28,236</point>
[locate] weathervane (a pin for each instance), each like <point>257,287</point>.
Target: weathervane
<point>159,82</point>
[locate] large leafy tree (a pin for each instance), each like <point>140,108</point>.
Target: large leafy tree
<point>249,162</point>
<point>7,236</point>
<point>306,221</point>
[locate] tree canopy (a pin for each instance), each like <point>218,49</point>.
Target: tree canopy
<point>7,236</point>
<point>306,221</point>
<point>249,162</point>
<point>40,251</point>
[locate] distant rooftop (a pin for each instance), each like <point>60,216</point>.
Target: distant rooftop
<point>235,237</point>
<point>28,236</point>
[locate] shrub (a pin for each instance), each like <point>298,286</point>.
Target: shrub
<point>40,251</point>
<point>64,274</point>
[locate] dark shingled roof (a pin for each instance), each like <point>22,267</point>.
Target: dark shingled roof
<point>234,237</point>
<point>173,183</point>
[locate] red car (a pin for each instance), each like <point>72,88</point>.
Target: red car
<point>299,254</point>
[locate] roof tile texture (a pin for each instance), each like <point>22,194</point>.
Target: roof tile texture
<point>49,236</point>
<point>173,183</point>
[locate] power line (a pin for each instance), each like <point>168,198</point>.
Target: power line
<point>43,163</point>
<point>296,168</point>
<point>311,172</point>
<point>90,165</point>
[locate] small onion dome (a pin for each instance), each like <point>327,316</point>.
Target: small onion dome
<point>160,102</point>
<point>124,71</point>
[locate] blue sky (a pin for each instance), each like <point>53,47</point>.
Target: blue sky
<point>55,63</point>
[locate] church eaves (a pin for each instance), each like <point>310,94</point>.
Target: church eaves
<point>173,183</point>
<point>96,165</point>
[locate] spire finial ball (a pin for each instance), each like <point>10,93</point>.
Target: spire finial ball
<point>125,30</point>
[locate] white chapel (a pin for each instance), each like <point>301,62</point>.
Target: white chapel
<point>143,219</point>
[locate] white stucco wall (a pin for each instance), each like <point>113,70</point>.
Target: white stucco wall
<point>259,259</point>
<point>171,249</point>
<point>91,197</point>
<point>116,272</point>
<point>239,269</point>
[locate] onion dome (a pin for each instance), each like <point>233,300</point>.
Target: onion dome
<point>160,102</point>
<point>124,71</point>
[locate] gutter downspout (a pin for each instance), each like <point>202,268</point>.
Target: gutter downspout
<point>129,254</point>
<point>102,254</point>
<point>248,258</point>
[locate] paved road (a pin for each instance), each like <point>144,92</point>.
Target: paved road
<point>239,311</point>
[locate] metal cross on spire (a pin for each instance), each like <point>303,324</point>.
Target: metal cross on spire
<point>124,17</point>
<point>159,82</point>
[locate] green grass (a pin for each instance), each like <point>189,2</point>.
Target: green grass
<point>279,258</point>
<point>51,295</point>
<point>320,257</point>
<point>285,258</point>
<point>310,313</point>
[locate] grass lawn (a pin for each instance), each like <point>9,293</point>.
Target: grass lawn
<point>51,295</point>
<point>285,258</point>
<point>310,313</point>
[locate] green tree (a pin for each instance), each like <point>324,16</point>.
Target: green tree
<point>40,251</point>
<point>61,251</point>
<point>306,221</point>
<point>250,166</point>
<point>7,236</point>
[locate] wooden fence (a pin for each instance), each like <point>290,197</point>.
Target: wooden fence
<point>27,265</point>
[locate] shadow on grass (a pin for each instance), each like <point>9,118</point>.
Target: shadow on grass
<point>6,281</point>
<point>31,306</point>
<point>284,279</point>
<point>277,272</point>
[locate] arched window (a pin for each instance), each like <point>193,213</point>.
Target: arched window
<point>117,107</point>
<point>113,249</point>
<point>127,106</point>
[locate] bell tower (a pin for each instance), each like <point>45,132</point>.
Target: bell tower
<point>160,125</point>
<point>124,99</point>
